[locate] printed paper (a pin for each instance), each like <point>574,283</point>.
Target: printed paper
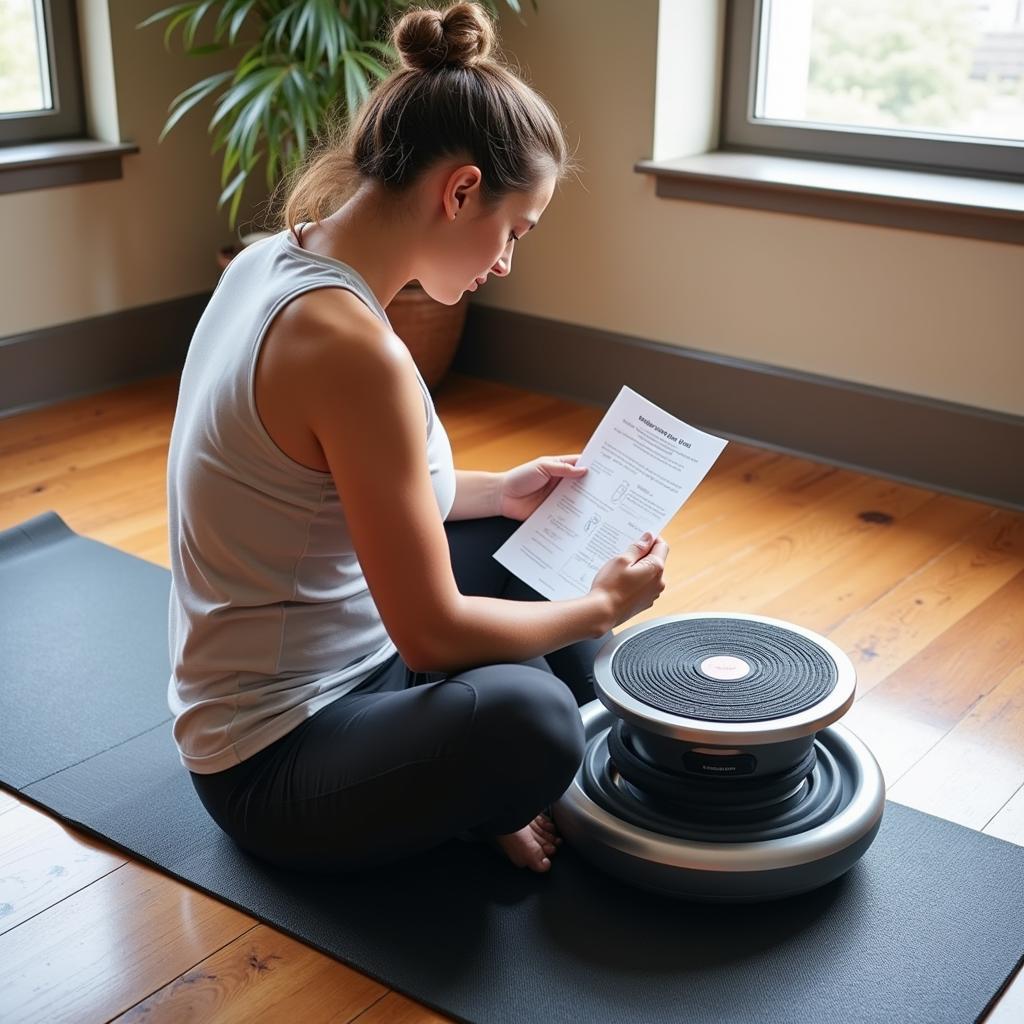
<point>642,466</point>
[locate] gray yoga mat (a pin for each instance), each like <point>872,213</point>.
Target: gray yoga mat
<point>927,927</point>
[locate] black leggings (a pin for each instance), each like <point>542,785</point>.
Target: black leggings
<point>408,759</point>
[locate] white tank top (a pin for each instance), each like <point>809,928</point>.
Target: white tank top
<point>270,617</point>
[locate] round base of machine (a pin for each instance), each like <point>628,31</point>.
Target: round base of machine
<point>725,871</point>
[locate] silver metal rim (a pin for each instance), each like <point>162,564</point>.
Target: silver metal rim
<point>853,822</point>
<point>692,730</point>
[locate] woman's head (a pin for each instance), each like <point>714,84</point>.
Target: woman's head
<point>454,128</point>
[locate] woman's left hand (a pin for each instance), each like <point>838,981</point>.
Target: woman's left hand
<point>524,487</point>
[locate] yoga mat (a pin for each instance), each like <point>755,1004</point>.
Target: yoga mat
<point>927,927</point>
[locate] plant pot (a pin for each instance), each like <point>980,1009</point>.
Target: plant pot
<point>430,329</point>
<point>226,254</point>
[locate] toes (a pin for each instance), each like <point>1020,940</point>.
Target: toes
<point>545,833</point>
<point>530,847</point>
<point>547,844</point>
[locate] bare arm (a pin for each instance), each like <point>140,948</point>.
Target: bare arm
<point>476,494</point>
<point>362,402</point>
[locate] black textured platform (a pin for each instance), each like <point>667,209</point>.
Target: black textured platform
<point>925,928</point>
<point>661,668</point>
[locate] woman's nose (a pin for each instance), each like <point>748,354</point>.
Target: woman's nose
<point>503,266</point>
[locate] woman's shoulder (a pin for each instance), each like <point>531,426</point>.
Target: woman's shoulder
<point>333,327</point>
<point>325,345</point>
<point>327,312</point>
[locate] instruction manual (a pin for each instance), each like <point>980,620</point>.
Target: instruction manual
<point>642,465</point>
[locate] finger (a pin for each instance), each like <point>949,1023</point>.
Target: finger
<point>640,547</point>
<point>563,468</point>
<point>659,549</point>
<point>541,494</point>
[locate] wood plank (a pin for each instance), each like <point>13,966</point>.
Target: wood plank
<point>797,549</point>
<point>469,400</point>
<point>467,432</point>
<point>970,774</point>
<point>144,526</point>
<point>8,800</point>
<point>396,1009</point>
<point>103,949</point>
<point>871,568</point>
<point>262,975</point>
<point>888,633</point>
<point>902,718</point>
<point>716,521</point>
<point>42,861</point>
<point>39,428</point>
<point>464,396</point>
<point>141,474</point>
<point>558,434</point>
<point>1008,823</point>
<point>85,450</point>
<point>152,544</point>
<point>741,475</point>
<point>117,512</point>
<point>696,555</point>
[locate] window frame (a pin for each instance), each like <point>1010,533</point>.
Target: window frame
<point>67,118</point>
<point>878,147</point>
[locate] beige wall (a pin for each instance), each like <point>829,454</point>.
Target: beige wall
<point>927,314</point>
<point>80,251</point>
<point>931,315</point>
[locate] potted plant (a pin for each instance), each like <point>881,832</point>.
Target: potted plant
<point>301,65</point>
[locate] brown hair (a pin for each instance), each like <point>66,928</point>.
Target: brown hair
<point>450,96</point>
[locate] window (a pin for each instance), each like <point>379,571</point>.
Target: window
<point>40,76</point>
<point>920,84</point>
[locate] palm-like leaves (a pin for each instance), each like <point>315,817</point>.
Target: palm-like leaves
<point>305,58</point>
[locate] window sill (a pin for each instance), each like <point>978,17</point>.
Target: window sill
<point>66,162</point>
<point>940,203</point>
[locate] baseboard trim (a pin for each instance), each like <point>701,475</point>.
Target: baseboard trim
<point>54,364</point>
<point>956,449</point>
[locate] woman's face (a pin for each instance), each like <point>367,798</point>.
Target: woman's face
<point>478,240</point>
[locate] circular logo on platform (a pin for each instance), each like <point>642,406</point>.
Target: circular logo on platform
<point>724,666</point>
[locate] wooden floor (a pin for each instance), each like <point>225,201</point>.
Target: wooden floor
<point>924,591</point>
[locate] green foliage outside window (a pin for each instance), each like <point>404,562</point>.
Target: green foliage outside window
<point>898,63</point>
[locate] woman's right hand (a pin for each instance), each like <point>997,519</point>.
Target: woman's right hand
<point>633,580</point>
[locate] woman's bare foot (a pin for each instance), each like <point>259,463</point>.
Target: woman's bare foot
<point>532,846</point>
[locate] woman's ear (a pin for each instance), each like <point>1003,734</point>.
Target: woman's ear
<point>462,185</point>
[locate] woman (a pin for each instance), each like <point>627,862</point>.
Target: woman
<point>355,678</point>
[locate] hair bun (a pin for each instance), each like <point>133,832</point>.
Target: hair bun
<point>458,36</point>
